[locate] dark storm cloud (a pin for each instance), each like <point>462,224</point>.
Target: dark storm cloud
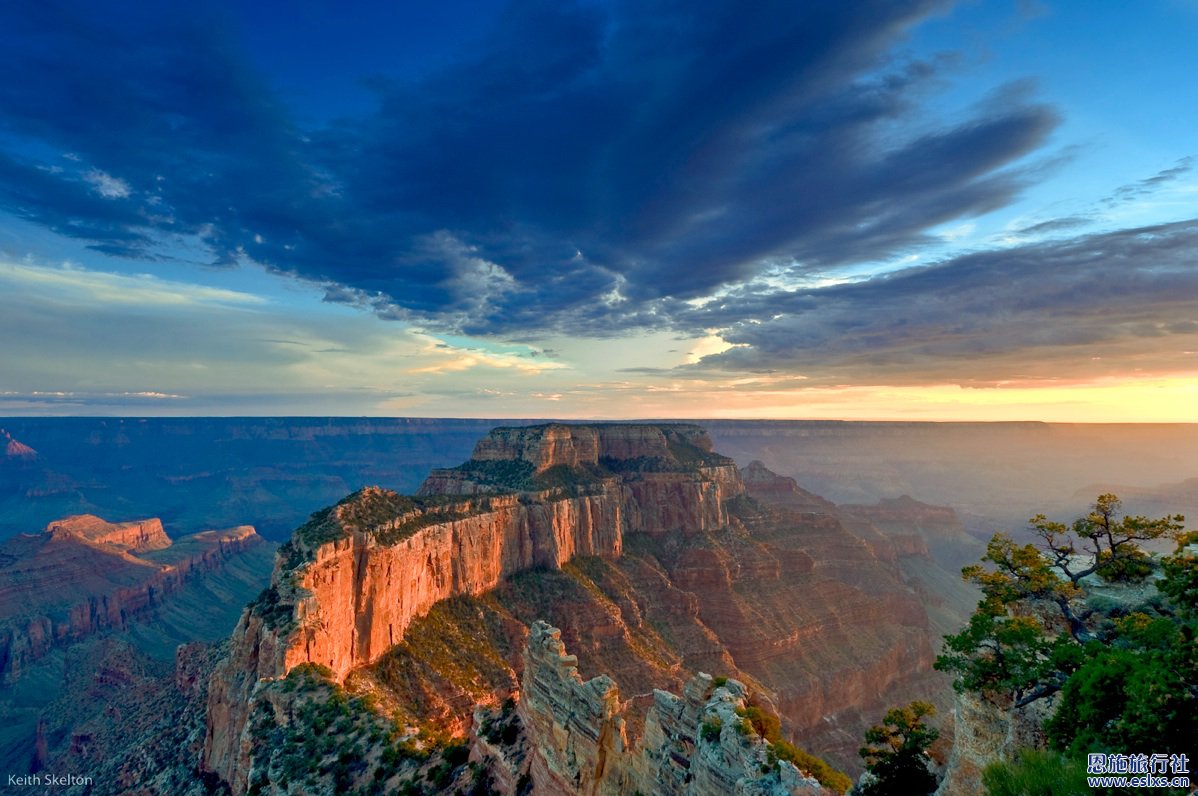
<point>584,168</point>
<point>1101,304</point>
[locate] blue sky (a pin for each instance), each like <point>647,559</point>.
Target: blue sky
<point>604,209</point>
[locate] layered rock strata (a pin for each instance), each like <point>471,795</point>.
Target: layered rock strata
<point>358,593</point>
<point>359,596</point>
<point>345,599</point>
<point>696,744</point>
<point>673,568</point>
<point>83,576</point>
<point>137,536</point>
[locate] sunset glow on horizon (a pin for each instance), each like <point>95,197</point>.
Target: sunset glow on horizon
<point>895,211</point>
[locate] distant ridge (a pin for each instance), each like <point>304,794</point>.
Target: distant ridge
<point>16,449</point>
<point>83,576</point>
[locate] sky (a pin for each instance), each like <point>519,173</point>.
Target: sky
<point>646,209</point>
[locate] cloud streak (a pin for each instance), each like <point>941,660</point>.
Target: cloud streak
<point>120,289</point>
<point>1097,306</point>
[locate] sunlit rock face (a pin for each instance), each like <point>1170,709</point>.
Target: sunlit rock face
<point>344,599</point>
<point>137,536</point>
<point>359,591</point>
<point>359,596</point>
<point>690,572</point>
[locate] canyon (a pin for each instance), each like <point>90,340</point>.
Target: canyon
<point>92,614</point>
<point>655,557</point>
<point>82,576</point>
<point>560,610</point>
<point>199,473</point>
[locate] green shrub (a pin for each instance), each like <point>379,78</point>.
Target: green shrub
<point>1131,566</point>
<point>710,731</point>
<point>1134,699</point>
<point>765,724</point>
<point>829,777</point>
<point>1037,773</point>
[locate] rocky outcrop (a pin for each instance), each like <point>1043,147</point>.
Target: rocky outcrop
<point>779,490</point>
<point>256,654</point>
<point>782,596</point>
<point>670,469</point>
<point>576,731</point>
<point>696,744</point>
<point>358,593</point>
<point>136,536</point>
<point>82,576</point>
<point>558,444</point>
<point>986,733</point>
<point>343,600</point>
<point>15,449</point>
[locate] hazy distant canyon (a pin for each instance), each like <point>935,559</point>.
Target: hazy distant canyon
<point>271,473</point>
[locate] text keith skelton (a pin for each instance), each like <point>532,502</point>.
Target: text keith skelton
<point>49,780</point>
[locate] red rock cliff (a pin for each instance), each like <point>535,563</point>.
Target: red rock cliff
<point>359,592</point>
<point>343,599</point>
<point>359,595</point>
<point>80,577</point>
<point>136,536</point>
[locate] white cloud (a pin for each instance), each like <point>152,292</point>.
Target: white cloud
<point>106,185</point>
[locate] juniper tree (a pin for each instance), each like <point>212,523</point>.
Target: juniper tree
<point>896,753</point>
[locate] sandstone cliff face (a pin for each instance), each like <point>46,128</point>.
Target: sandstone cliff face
<point>256,654</point>
<point>353,596</point>
<point>674,570</point>
<point>359,596</point>
<point>792,602</point>
<point>692,745</point>
<point>81,577</point>
<point>573,446</point>
<point>779,490</point>
<point>137,536</point>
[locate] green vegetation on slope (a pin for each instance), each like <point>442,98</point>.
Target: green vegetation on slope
<point>332,742</point>
<point>432,682</point>
<point>757,720</point>
<point>428,676</point>
<point>1119,654</point>
<point>377,511</point>
<point>506,476</point>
